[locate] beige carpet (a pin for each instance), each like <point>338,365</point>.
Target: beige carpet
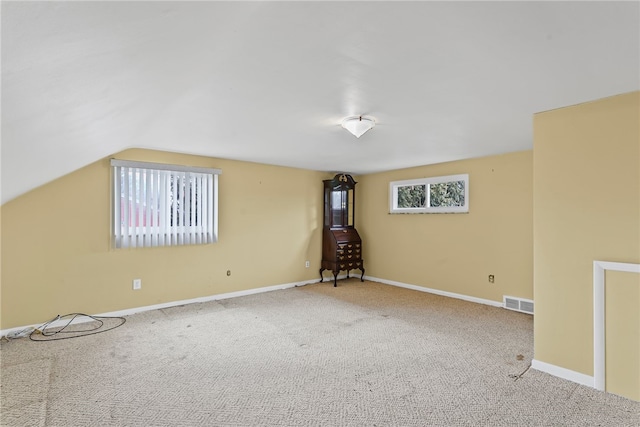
<point>361,354</point>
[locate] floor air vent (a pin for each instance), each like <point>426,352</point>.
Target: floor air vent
<point>518,304</point>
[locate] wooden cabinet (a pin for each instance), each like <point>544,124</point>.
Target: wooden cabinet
<point>341,243</point>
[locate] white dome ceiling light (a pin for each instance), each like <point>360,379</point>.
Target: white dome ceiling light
<point>358,125</point>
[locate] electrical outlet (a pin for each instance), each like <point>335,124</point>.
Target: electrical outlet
<point>137,284</point>
<point>492,278</point>
<point>306,264</point>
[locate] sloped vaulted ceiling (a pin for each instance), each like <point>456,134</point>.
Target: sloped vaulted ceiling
<point>271,81</point>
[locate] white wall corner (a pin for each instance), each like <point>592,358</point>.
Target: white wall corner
<point>599,339</point>
<point>563,373</point>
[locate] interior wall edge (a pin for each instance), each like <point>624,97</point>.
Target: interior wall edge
<point>564,373</point>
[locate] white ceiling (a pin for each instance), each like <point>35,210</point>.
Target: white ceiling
<point>271,81</point>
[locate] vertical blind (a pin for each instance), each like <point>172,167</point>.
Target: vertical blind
<point>163,205</point>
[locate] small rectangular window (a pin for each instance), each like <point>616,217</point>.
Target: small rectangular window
<point>163,205</point>
<point>442,194</point>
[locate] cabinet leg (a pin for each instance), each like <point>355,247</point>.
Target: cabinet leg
<point>321,278</point>
<point>362,277</point>
<point>335,279</point>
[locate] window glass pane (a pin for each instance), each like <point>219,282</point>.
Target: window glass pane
<point>446,194</point>
<point>440,194</point>
<point>412,196</point>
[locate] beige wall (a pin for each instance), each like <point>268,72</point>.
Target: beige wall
<point>586,207</point>
<point>455,252</point>
<point>56,255</point>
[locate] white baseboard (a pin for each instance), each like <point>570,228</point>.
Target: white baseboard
<point>557,371</point>
<point>563,373</point>
<point>436,292</point>
<point>130,311</point>
<point>340,276</point>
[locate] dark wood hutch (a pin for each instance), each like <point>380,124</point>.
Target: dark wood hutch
<point>341,243</point>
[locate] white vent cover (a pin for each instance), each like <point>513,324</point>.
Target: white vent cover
<point>518,304</point>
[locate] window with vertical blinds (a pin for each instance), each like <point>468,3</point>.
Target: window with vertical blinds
<point>163,205</point>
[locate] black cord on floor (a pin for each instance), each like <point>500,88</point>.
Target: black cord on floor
<point>45,332</point>
<point>516,377</point>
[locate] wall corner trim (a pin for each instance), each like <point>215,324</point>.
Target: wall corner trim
<point>599,269</point>
<point>437,292</point>
<point>563,373</point>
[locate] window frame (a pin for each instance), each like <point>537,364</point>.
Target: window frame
<point>162,233</point>
<point>427,182</point>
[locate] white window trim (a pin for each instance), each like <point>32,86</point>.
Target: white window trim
<point>140,236</point>
<point>393,195</point>
<point>164,166</point>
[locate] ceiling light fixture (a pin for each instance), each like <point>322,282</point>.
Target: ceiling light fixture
<point>358,125</point>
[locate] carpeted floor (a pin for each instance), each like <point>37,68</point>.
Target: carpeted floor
<point>361,354</point>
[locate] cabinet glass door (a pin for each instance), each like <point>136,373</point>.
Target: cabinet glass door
<point>350,204</point>
<point>338,204</point>
<point>342,208</point>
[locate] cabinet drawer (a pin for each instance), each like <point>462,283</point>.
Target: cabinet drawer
<point>350,265</point>
<point>347,255</point>
<point>348,246</point>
